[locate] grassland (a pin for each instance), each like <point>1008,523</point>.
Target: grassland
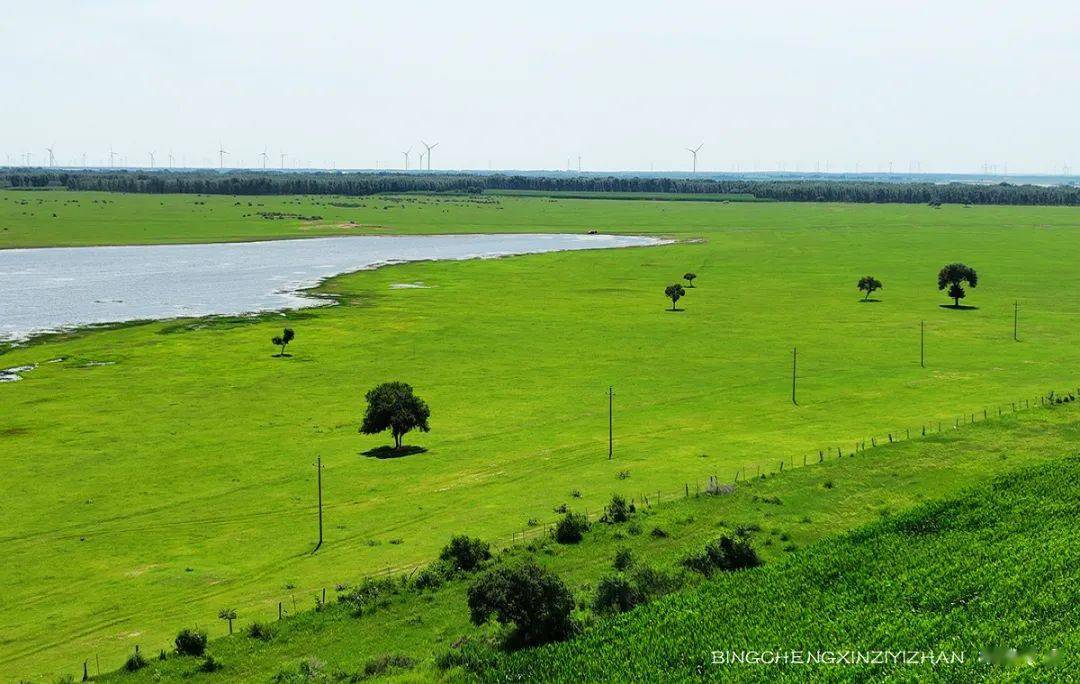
<point>179,479</point>
<point>795,514</point>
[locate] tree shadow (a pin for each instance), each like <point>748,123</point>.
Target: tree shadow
<point>281,356</point>
<point>958,307</point>
<point>870,301</point>
<point>382,452</point>
<point>675,310</point>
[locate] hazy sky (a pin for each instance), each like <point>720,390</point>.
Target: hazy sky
<point>627,85</point>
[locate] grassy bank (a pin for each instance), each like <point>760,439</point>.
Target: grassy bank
<point>795,518</point>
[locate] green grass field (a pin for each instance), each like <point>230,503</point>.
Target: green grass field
<point>149,493</point>
<point>799,511</point>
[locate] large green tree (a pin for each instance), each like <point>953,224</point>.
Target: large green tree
<point>393,406</point>
<point>953,276</point>
<point>531,598</point>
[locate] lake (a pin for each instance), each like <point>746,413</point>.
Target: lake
<point>46,290</point>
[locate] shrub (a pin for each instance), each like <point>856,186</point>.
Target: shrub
<point>624,558</point>
<point>618,510</point>
<point>659,533</point>
<point>369,594</point>
<point>430,577</point>
<point>191,642</point>
<point>724,553</point>
<point>571,528</point>
<point>561,508</point>
<point>615,594</point>
<point>623,474</point>
<point>651,583</point>
<point>260,630</point>
<point>384,663</point>
<point>466,553</point>
<point>634,529</point>
<point>534,600</point>
<point>135,662</point>
<point>210,664</point>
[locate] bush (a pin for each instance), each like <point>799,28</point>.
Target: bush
<point>724,553</point>
<point>532,599</point>
<point>135,662</point>
<point>659,533</point>
<point>210,664</point>
<point>384,663</point>
<point>615,594</point>
<point>369,594</point>
<point>260,630</point>
<point>431,577</point>
<point>651,583</point>
<point>466,553</point>
<point>624,558</point>
<point>618,510</point>
<point>191,642</point>
<point>571,528</point>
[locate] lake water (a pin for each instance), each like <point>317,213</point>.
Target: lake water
<point>43,290</point>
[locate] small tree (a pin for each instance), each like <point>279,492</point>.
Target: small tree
<point>228,614</point>
<point>689,278</point>
<point>466,553</point>
<point>674,292</point>
<point>393,406</point>
<point>191,642</point>
<point>953,276</point>
<point>534,600</point>
<point>869,284</point>
<point>283,340</point>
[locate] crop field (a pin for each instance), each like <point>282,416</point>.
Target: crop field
<point>987,572</point>
<point>158,472</point>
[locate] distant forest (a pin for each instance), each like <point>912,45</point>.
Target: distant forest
<point>368,183</point>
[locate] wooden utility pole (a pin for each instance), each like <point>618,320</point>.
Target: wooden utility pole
<point>611,422</point>
<point>1016,321</point>
<point>922,343</point>
<point>318,470</point>
<point>794,369</point>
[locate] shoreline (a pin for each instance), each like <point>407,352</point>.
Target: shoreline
<point>310,292</point>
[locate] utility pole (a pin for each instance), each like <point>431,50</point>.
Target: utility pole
<point>922,343</point>
<point>318,469</point>
<point>794,368</point>
<point>610,422</point>
<point>1016,321</point>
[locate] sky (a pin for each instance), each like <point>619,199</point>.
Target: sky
<point>945,86</point>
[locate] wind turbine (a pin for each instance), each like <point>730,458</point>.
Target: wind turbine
<point>283,155</point>
<point>263,155</point>
<point>151,159</point>
<point>52,159</point>
<point>694,152</point>
<point>429,149</point>
<point>221,156</point>
<point>171,159</point>
<point>406,153</point>
<point>112,157</point>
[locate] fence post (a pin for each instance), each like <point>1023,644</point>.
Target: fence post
<point>279,611</point>
<point>688,486</point>
<point>781,466</point>
<point>890,438</point>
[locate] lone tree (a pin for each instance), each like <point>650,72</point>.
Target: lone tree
<point>227,614</point>
<point>283,340</point>
<point>869,284</point>
<point>953,276</point>
<point>531,598</point>
<point>674,293</point>
<point>689,278</point>
<point>393,406</point>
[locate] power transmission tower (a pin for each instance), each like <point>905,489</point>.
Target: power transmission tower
<point>611,422</point>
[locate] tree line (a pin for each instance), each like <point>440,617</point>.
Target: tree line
<point>370,183</point>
